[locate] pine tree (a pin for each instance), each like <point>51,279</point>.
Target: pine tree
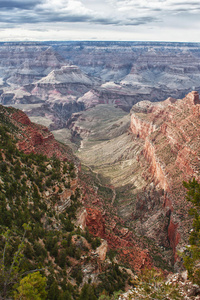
<point>32,287</point>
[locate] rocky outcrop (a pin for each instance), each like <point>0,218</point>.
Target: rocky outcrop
<point>178,282</point>
<point>36,140</point>
<point>102,250</point>
<point>121,241</point>
<point>95,222</point>
<point>193,98</point>
<point>21,117</point>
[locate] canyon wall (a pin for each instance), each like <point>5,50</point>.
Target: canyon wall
<point>170,131</point>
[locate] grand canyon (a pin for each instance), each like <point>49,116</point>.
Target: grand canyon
<point>125,118</point>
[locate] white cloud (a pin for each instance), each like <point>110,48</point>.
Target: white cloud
<point>119,19</point>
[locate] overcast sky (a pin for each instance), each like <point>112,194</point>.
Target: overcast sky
<point>134,20</point>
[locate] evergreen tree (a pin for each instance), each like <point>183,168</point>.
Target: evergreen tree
<point>87,293</point>
<point>53,292</point>
<point>32,287</point>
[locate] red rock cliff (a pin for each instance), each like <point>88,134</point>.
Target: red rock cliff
<point>37,138</point>
<point>170,130</point>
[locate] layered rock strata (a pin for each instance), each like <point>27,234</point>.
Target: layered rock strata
<point>170,131</point>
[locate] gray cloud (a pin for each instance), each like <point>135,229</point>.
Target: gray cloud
<point>66,18</point>
<point>22,13</point>
<point>48,18</point>
<point>13,4</point>
<point>142,21</point>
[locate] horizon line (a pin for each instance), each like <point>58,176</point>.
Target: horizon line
<point>95,41</point>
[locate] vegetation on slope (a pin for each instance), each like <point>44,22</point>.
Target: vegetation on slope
<point>38,232</point>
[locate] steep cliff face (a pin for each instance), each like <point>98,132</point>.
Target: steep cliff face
<point>173,127</point>
<point>170,131</point>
